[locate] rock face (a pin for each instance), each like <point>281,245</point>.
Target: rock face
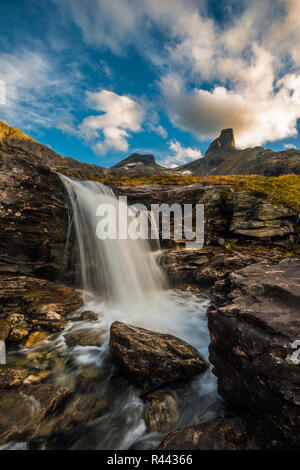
<point>33,218</point>
<point>244,217</point>
<point>253,324</point>
<point>152,359</point>
<point>222,158</point>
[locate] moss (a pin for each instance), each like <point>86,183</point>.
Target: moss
<point>282,190</point>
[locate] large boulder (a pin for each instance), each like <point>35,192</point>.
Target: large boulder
<point>254,324</point>
<point>153,359</point>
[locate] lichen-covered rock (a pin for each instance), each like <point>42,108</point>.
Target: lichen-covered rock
<point>152,359</point>
<point>11,377</point>
<point>254,323</point>
<point>35,338</point>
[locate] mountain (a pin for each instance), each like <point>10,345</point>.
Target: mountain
<point>14,140</point>
<point>222,158</point>
<point>138,165</point>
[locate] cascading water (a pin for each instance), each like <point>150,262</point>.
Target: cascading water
<point>123,270</point>
<point>121,281</point>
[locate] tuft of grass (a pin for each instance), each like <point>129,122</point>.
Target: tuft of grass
<point>281,190</point>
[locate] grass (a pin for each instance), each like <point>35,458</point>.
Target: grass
<point>281,190</point>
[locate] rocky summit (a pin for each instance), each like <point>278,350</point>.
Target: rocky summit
<point>223,158</point>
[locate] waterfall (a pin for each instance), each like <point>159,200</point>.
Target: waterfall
<point>124,271</point>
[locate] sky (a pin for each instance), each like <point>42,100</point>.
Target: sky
<point>98,80</point>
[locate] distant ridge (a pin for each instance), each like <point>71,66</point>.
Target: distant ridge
<point>221,158</point>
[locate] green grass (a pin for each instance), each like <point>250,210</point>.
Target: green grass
<point>281,190</point>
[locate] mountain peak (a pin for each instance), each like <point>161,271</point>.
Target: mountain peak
<point>224,143</point>
<point>136,159</point>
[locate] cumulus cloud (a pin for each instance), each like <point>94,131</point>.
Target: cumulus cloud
<point>120,115</point>
<point>180,155</point>
<point>213,75</point>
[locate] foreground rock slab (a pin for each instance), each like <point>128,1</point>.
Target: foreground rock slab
<point>152,359</point>
<point>254,325</point>
<point>224,434</point>
<point>34,404</point>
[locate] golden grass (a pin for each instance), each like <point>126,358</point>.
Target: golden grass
<point>283,190</point>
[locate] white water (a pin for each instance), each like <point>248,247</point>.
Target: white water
<point>124,271</point>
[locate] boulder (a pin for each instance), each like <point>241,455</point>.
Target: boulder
<point>86,337</point>
<point>162,411</point>
<point>34,339</point>
<point>153,359</point>
<point>254,324</point>
<point>88,315</point>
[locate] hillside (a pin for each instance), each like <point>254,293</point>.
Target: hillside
<point>14,140</point>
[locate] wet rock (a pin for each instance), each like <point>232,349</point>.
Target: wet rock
<point>29,304</point>
<point>34,339</point>
<point>37,378</point>
<point>162,411</point>
<point>225,434</point>
<point>88,315</point>
<point>11,377</point>
<point>35,403</point>
<point>152,359</point>
<point>79,411</point>
<point>86,337</point>
<point>17,334</point>
<point>254,323</point>
<point>4,330</point>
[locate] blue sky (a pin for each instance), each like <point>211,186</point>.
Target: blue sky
<point>100,79</point>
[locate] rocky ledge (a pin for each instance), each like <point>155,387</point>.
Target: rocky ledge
<point>153,359</point>
<point>254,323</point>
<point>254,326</point>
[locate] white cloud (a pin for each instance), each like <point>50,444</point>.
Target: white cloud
<point>180,155</point>
<point>213,76</point>
<point>111,129</point>
<point>36,90</point>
